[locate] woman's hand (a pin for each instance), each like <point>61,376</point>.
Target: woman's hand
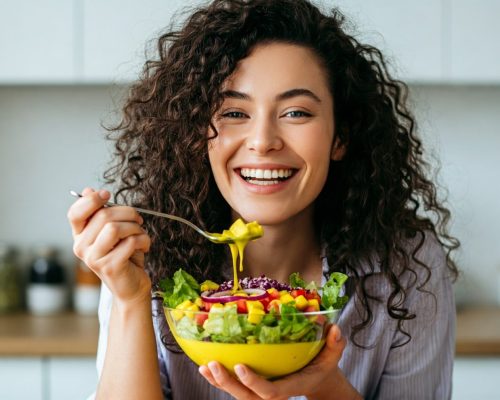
<point>112,243</point>
<point>321,379</point>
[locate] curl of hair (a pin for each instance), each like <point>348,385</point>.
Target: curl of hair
<point>376,198</point>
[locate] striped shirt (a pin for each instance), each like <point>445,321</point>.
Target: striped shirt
<point>420,369</point>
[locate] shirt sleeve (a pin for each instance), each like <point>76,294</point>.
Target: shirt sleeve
<point>103,312</point>
<point>422,369</point>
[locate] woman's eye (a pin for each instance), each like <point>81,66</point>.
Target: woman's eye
<point>233,114</point>
<point>297,114</point>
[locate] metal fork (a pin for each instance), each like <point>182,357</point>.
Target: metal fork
<point>213,237</point>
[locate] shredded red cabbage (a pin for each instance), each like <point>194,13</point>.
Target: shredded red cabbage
<point>261,282</point>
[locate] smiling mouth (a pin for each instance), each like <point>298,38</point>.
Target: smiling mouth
<point>265,177</point>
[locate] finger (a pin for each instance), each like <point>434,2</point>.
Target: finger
<point>335,345</point>
<point>227,383</point>
<point>116,260</point>
<point>205,372</point>
<point>83,208</point>
<point>262,387</point>
<point>111,234</point>
<point>105,216</point>
<point>308,378</point>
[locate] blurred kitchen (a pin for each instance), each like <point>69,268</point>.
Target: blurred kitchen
<point>64,67</point>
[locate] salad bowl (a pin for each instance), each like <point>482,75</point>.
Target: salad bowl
<point>272,345</point>
<point>273,328</point>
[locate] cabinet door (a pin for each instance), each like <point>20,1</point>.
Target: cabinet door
<point>37,41</point>
<point>21,379</point>
<point>116,33</point>
<point>475,34</point>
<point>71,377</point>
<point>410,33</point>
<point>476,378</point>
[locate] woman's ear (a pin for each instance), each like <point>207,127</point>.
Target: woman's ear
<point>338,150</point>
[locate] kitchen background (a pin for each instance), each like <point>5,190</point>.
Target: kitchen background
<point>65,66</point>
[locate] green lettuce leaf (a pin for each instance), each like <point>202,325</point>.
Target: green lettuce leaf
<point>330,297</point>
<point>180,288</point>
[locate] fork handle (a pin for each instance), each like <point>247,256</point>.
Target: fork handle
<point>155,213</point>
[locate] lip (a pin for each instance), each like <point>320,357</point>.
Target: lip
<point>268,189</point>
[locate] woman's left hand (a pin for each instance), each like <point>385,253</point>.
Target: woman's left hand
<point>321,379</point>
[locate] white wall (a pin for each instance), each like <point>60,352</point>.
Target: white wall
<point>51,141</point>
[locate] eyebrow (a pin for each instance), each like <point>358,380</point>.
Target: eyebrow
<point>233,94</point>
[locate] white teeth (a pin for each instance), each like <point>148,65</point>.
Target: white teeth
<point>265,173</point>
<point>263,183</point>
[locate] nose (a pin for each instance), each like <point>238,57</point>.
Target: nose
<point>264,137</point>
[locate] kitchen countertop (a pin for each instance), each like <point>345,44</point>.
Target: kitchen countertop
<point>59,335</point>
<point>478,333</point>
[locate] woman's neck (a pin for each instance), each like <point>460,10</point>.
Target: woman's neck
<point>286,248</point>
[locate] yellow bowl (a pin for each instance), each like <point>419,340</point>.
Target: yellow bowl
<point>269,360</point>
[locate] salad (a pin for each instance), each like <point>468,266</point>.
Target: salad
<point>257,310</point>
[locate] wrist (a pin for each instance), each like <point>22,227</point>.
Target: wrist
<point>129,306</point>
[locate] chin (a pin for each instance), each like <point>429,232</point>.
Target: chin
<point>264,217</point>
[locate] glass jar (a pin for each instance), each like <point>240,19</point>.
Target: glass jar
<point>87,290</point>
<point>47,290</point>
<point>10,280</point>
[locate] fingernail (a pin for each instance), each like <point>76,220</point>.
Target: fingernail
<point>214,369</point>
<point>240,371</point>
<point>104,194</point>
<point>338,336</point>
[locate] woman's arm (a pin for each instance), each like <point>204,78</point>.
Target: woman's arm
<point>131,364</point>
<point>112,243</point>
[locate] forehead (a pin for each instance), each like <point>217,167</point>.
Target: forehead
<point>277,67</point>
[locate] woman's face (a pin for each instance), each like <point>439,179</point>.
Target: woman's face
<point>275,134</point>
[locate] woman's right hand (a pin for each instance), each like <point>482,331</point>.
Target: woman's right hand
<point>111,241</point>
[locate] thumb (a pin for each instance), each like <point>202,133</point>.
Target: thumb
<point>334,347</point>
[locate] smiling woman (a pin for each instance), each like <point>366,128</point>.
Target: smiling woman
<point>267,110</point>
<point>271,121</point>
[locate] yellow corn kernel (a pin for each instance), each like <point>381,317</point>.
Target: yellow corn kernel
<point>254,304</point>
<point>286,298</point>
<point>283,292</point>
<point>242,294</point>
<point>208,285</point>
<point>313,303</point>
<point>177,314</point>
<point>301,302</point>
<point>185,304</point>
<point>199,302</point>
<point>190,310</point>
<point>255,316</point>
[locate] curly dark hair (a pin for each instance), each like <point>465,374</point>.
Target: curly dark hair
<point>382,197</point>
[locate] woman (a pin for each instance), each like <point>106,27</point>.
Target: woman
<point>247,87</point>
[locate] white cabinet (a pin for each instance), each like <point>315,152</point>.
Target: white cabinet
<point>476,378</point>
<point>475,34</point>
<point>88,41</point>
<point>37,41</point>
<point>52,378</point>
<point>410,33</point>
<point>117,32</point>
<point>21,379</point>
<point>71,378</point>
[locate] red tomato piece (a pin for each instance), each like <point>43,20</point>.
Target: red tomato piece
<point>241,306</point>
<point>200,318</point>
<point>298,292</point>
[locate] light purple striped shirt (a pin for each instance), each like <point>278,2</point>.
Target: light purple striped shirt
<point>421,369</point>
